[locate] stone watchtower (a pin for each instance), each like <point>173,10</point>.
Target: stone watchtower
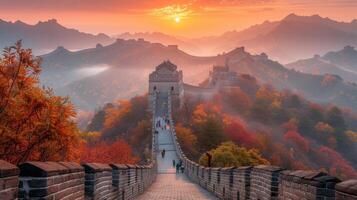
<point>166,78</point>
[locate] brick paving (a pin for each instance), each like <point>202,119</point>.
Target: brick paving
<point>169,184</point>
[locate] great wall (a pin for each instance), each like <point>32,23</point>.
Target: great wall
<point>71,181</point>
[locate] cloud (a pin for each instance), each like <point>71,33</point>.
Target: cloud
<point>117,5</point>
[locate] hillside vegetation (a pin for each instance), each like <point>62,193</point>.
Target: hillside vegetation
<point>280,127</point>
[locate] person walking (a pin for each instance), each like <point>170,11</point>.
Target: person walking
<point>177,168</point>
<point>174,163</point>
<point>163,153</point>
<point>182,169</point>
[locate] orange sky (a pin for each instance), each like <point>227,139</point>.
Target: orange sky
<point>197,17</point>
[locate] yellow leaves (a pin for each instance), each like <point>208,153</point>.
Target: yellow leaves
<point>228,155</point>
<point>91,136</point>
<point>267,94</point>
<point>324,128</point>
<point>352,135</point>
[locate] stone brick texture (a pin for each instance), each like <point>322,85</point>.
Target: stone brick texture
<point>9,181</point>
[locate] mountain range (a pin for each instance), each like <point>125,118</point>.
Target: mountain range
<point>129,62</point>
<point>342,63</point>
<point>289,39</point>
<point>106,69</point>
<point>46,36</point>
<point>292,38</point>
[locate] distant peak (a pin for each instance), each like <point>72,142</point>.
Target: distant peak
<point>60,50</point>
<point>348,48</point>
<point>101,35</point>
<point>291,16</point>
<point>48,22</point>
<point>52,21</point>
<point>266,22</point>
<point>19,22</point>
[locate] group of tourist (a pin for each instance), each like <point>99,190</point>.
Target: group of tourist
<point>163,123</point>
<point>179,167</point>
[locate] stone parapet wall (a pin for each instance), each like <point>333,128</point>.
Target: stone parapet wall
<point>72,181</point>
<point>9,180</point>
<point>346,190</point>
<point>265,182</point>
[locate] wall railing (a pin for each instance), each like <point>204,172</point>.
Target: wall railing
<point>73,181</point>
<point>264,182</point>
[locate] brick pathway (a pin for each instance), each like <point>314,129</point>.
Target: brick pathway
<point>169,185</point>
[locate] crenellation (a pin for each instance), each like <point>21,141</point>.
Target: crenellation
<point>9,181</point>
<point>346,190</point>
<point>65,180</point>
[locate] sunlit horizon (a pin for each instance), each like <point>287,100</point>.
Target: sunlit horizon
<point>180,18</point>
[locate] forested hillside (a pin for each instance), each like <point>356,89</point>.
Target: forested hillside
<point>280,127</point>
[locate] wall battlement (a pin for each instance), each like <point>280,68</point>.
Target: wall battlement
<point>73,181</point>
<point>265,182</point>
<point>67,180</point>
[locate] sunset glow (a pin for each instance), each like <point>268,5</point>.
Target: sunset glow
<point>177,19</point>
<point>267,87</point>
<point>196,17</point>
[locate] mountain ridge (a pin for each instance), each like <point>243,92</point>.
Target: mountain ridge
<point>47,35</point>
<point>122,57</point>
<point>342,63</point>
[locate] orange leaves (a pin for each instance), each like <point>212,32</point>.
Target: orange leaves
<point>115,114</point>
<point>103,152</point>
<point>186,138</point>
<point>204,112</point>
<point>34,124</point>
<point>352,135</point>
<point>324,128</point>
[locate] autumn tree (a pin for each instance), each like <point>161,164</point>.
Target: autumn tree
<point>208,125</point>
<point>238,100</point>
<point>126,120</point>
<point>186,139</point>
<point>352,135</point>
<point>229,154</point>
<point>237,131</point>
<point>335,119</point>
<point>267,106</point>
<point>106,152</point>
<point>34,123</point>
<point>299,142</point>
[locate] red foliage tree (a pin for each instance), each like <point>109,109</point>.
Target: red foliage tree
<point>103,152</point>
<point>298,140</point>
<point>236,130</point>
<point>339,165</point>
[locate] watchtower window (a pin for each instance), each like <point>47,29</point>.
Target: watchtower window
<point>172,88</point>
<point>154,88</point>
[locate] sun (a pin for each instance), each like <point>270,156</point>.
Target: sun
<point>177,19</point>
